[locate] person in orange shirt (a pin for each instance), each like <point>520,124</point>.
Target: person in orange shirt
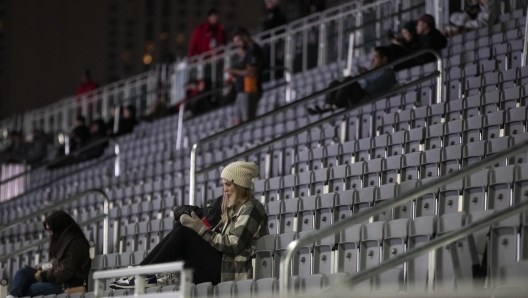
<point>246,101</point>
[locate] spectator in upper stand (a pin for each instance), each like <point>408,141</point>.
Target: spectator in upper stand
<point>17,151</point>
<point>111,121</point>
<point>86,85</point>
<point>477,14</point>
<point>373,85</point>
<point>246,101</point>
<point>429,38</point>
<point>128,121</point>
<point>407,44</point>
<point>274,16</point>
<point>80,134</point>
<point>97,133</point>
<point>208,35</point>
<point>38,146</point>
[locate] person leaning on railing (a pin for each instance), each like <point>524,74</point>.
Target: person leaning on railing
<point>70,265</point>
<point>374,85</point>
<point>220,253</point>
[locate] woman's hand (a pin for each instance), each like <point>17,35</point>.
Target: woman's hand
<point>37,275</point>
<point>193,222</point>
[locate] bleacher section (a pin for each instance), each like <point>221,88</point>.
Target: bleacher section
<point>328,174</point>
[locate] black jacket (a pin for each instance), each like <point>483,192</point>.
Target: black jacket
<point>71,264</point>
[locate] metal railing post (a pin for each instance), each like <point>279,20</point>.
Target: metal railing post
<point>350,57</point>
<point>192,178</point>
<point>524,60</point>
<point>180,126</point>
<point>321,61</point>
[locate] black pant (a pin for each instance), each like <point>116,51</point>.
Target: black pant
<point>183,243</point>
<point>347,96</point>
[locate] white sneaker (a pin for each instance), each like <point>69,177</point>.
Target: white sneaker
<point>168,278</point>
<point>10,296</point>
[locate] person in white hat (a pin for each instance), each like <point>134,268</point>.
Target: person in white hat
<point>223,252</point>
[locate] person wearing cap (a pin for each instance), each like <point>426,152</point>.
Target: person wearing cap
<point>208,35</point>
<point>429,38</point>
<point>223,252</point>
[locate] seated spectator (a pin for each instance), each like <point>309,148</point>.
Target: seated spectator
<point>373,85</point>
<point>17,151</point>
<point>127,121</point>
<point>80,134</point>
<point>220,250</point>
<point>157,110</point>
<point>406,44</point>
<point>37,148</point>
<point>203,101</point>
<point>477,14</point>
<point>70,262</point>
<point>97,134</point>
<point>429,38</point>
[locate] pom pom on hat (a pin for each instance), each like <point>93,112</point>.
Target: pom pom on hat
<point>241,173</point>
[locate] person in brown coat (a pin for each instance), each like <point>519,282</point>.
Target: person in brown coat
<point>70,265</point>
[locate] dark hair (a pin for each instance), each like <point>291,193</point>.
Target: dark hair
<point>241,32</point>
<point>212,11</point>
<point>87,72</point>
<point>81,119</point>
<point>383,51</point>
<point>58,222</point>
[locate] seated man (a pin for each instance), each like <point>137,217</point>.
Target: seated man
<point>429,38</point>
<point>372,86</point>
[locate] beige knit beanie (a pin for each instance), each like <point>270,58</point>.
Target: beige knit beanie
<point>241,173</point>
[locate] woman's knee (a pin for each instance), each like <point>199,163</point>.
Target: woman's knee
<point>29,272</point>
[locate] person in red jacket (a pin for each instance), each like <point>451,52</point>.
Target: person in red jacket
<point>208,35</point>
<point>86,85</point>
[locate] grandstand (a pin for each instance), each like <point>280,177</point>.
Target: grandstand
<point>352,196</point>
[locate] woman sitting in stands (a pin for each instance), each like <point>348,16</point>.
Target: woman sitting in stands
<point>221,253</point>
<point>70,265</point>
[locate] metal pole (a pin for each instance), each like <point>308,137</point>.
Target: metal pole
<point>524,60</point>
<point>180,126</point>
<point>348,70</point>
<point>192,179</point>
<point>322,42</point>
<point>117,168</point>
<point>439,80</point>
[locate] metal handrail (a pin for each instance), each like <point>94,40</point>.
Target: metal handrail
<point>57,205</point>
<point>140,272</point>
<point>524,60</point>
<point>399,200</point>
<point>193,172</point>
